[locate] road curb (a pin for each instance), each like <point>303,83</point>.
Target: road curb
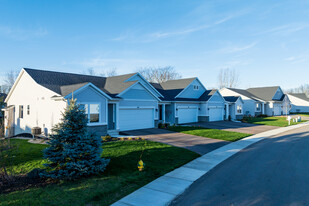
<point>163,190</point>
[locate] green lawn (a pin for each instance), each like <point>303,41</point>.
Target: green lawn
<point>210,133</point>
<point>272,121</point>
<point>120,178</point>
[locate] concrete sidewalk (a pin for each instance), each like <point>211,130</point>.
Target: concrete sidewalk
<point>166,188</point>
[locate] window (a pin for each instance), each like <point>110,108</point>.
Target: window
<point>28,110</point>
<point>258,107</point>
<point>92,112</point>
<point>21,111</point>
<point>239,109</point>
<point>195,87</point>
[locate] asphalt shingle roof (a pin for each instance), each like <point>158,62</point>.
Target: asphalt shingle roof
<point>170,89</point>
<point>265,93</point>
<point>231,98</point>
<point>245,93</point>
<point>302,96</point>
<point>260,93</point>
<point>176,84</point>
<point>65,83</point>
<point>207,94</point>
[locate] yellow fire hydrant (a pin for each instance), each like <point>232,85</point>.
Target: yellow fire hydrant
<point>141,165</point>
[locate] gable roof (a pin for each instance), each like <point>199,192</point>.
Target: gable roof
<point>245,93</point>
<point>150,85</point>
<point>142,85</point>
<point>207,95</point>
<point>64,83</point>
<point>265,93</point>
<point>170,89</point>
<point>176,84</point>
<point>231,98</point>
<point>302,96</point>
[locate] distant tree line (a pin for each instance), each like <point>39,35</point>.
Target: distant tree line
<point>159,74</point>
<point>304,88</point>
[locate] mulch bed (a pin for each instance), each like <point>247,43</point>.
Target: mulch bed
<point>22,183</point>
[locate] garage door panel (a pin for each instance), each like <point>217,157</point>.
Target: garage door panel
<point>215,114</point>
<point>277,110</point>
<point>187,115</point>
<point>137,118</point>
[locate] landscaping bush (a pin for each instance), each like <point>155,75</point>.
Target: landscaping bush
<point>1,128</point>
<point>262,115</point>
<point>73,153</point>
<point>35,173</point>
<point>7,174</point>
<point>163,125</point>
<point>106,138</point>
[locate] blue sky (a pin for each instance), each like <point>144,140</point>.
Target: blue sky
<point>265,41</point>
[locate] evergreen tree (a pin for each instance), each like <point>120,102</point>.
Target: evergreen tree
<point>73,153</point>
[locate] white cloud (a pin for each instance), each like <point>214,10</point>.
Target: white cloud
<point>100,64</point>
<point>298,59</point>
<point>157,35</point>
<point>22,34</point>
<point>123,36</point>
<point>285,29</point>
<point>234,49</point>
<point>184,31</point>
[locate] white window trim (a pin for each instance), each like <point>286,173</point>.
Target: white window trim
<point>240,109</point>
<point>256,107</point>
<point>88,115</point>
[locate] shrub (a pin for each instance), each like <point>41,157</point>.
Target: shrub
<point>73,153</point>
<point>262,115</point>
<point>35,173</point>
<point>7,150</point>
<point>163,125</point>
<point>106,138</point>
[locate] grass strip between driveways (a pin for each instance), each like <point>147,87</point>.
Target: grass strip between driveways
<point>121,177</point>
<point>210,133</point>
<point>301,114</point>
<point>271,121</point>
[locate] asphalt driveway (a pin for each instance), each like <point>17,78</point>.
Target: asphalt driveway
<point>235,126</point>
<point>200,145</point>
<point>272,172</point>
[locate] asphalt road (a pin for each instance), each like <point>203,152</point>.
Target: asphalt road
<point>274,171</point>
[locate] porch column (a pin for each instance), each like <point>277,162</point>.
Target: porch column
<point>227,111</point>
<point>163,113</point>
<point>263,108</point>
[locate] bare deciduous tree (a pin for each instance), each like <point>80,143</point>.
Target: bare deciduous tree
<point>9,80</point>
<point>90,71</point>
<point>304,88</point>
<point>228,78</point>
<point>159,74</point>
<point>108,73</point>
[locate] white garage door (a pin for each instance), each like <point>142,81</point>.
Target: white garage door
<point>277,110</point>
<point>187,115</point>
<point>215,114</point>
<point>137,118</point>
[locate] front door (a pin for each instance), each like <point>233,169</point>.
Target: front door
<point>160,112</point>
<point>111,116</point>
<point>10,122</point>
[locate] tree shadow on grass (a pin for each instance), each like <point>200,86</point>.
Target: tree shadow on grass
<point>120,178</point>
